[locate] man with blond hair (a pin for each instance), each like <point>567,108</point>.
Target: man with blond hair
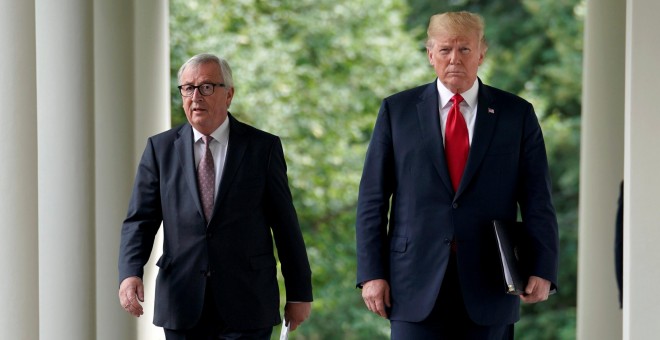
<point>444,161</point>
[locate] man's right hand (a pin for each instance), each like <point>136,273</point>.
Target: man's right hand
<point>131,293</point>
<point>376,295</point>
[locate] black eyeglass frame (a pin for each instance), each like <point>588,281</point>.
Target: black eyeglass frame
<point>199,88</point>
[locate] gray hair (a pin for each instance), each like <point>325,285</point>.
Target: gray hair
<point>209,58</point>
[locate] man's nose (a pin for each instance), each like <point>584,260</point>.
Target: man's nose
<point>197,94</point>
<point>454,57</point>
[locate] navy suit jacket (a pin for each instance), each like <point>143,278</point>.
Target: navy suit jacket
<point>234,253</point>
<point>618,245</point>
<point>405,176</point>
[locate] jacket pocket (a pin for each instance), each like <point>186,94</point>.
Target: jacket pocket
<point>398,244</point>
<point>164,262</point>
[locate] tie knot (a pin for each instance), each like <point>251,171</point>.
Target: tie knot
<point>207,139</point>
<point>457,99</point>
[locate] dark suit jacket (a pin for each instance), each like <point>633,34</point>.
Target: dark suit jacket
<point>405,162</point>
<point>236,249</point>
<point>618,245</point>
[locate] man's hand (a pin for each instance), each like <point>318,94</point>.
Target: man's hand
<point>376,295</point>
<point>131,293</point>
<point>537,290</point>
<point>295,313</point>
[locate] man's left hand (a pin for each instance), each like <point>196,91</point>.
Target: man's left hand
<point>537,290</point>
<point>296,312</point>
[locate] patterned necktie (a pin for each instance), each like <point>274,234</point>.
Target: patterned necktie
<point>457,144</point>
<point>206,179</point>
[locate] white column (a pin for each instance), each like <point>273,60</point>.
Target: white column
<point>601,169</point>
<point>19,317</point>
<point>152,115</point>
<point>114,169</point>
<point>152,70</point>
<point>65,99</point>
<point>642,214</point>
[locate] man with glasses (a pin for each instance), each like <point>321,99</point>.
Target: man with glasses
<point>220,189</point>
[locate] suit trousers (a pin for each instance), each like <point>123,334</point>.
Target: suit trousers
<point>449,319</point>
<point>210,326</point>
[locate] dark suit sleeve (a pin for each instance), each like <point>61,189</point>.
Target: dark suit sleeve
<point>143,218</point>
<point>618,245</point>
<point>286,230</point>
<point>535,199</point>
<point>376,188</point>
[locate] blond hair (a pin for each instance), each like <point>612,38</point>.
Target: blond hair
<point>458,23</point>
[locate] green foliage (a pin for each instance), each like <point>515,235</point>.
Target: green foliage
<point>550,325</point>
<point>314,73</point>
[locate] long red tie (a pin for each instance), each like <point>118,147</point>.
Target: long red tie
<point>457,144</point>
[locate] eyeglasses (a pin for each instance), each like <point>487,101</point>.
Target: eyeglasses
<point>204,89</point>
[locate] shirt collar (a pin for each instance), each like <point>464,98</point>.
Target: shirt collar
<point>469,96</point>
<point>221,134</point>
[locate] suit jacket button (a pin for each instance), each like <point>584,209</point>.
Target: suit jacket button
<point>455,205</point>
<point>209,235</point>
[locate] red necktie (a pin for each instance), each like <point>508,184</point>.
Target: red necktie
<point>206,179</point>
<point>457,144</point>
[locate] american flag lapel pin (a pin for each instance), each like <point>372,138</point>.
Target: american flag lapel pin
<point>490,110</point>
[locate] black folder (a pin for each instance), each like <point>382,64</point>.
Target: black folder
<point>508,235</point>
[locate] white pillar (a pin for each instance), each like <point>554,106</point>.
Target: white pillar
<point>152,115</point>
<point>601,169</point>
<point>65,99</point>
<point>19,316</point>
<point>114,169</point>
<point>642,158</point>
<point>152,71</point>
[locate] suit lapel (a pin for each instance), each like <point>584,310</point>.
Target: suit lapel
<point>184,150</point>
<point>429,122</point>
<point>236,147</point>
<point>484,128</point>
